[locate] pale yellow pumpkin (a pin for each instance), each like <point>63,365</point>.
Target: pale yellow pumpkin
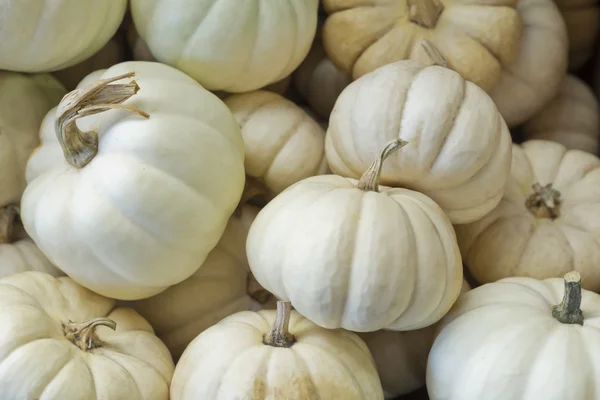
<point>582,18</point>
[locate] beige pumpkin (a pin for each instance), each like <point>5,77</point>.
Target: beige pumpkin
<point>547,223</point>
<point>401,357</point>
<point>459,146</point>
<point>582,18</point>
<point>283,143</point>
<point>570,119</point>
<point>221,287</point>
<point>61,341</point>
<point>275,355</point>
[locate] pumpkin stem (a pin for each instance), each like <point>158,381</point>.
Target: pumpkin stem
<point>425,12</point>
<point>434,54</point>
<point>83,334</point>
<point>569,311</point>
<point>256,291</point>
<point>544,202</point>
<point>8,216</point>
<point>80,147</point>
<point>278,335</point>
<point>369,181</point>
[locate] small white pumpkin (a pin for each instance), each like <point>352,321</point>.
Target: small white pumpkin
<point>582,18</point>
<point>283,144</point>
<point>228,45</point>
<point>459,146</point>
<point>275,355</point>
<point>57,342</point>
<point>221,287</point>
<point>48,35</point>
<point>131,206</point>
<point>354,255</point>
<point>570,119</point>
<point>548,222</point>
<point>24,100</point>
<point>515,339</point>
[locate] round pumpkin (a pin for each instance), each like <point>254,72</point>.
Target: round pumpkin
<point>516,339</point>
<point>401,357</point>
<point>275,355</point>
<point>252,43</point>
<point>570,119</point>
<point>24,100</point>
<point>459,146</point>
<point>547,222</point>
<point>354,255</point>
<point>48,35</point>
<point>61,341</point>
<point>221,287</point>
<point>131,199</point>
<point>582,18</point>
<point>283,143</point>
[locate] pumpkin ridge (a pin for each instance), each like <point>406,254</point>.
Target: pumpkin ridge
<point>287,136</point>
<point>302,366</point>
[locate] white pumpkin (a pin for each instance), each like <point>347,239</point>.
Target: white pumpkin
<point>515,339</point>
<point>570,119</point>
<point>354,255</point>
<point>250,44</point>
<point>283,143</point>
<point>24,100</point>
<point>134,205</point>
<point>459,146</point>
<point>48,35</point>
<point>221,287</point>
<point>57,342</point>
<point>547,223</point>
<point>275,355</point>
<point>401,357</point>
<point>582,18</point>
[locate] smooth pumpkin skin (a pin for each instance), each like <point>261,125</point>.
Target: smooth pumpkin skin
<point>48,35</point>
<point>511,241</point>
<point>476,37</point>
<point>24,100</point>
<point>283,143</point>
<point>253,43</point>
<point>147,210</point>
<point>230,361</point>
<point>500,341</point>
<point>459,146</point>
<point>571,119</point>
<point>217,290</point>
<point>38,361</point>
<point>582,18</point>
<point>358,260</point>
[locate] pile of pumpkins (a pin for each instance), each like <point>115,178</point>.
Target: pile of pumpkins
<point>292,199</point>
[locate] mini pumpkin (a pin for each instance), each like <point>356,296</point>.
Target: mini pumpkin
<point>61,341</point>
<point>125,205</point>
<point>275,355</point>
<point>570,119</point>
<point>547,222</point>
<point>355,255</point>
<point>516,339</point>
<point>459,146</point>
<point>581,17</point>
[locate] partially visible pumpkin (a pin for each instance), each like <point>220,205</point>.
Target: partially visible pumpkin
<point>583,24</point>
<point>275,355</point>
<point>283,143</point>
<point>570,119</point>
<point>61,341</point>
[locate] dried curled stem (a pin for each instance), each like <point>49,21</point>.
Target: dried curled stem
<point>83,334</point>
<point>369,181</point>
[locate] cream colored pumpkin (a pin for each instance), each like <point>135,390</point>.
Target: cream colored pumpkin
<point>401,357</point>
<point>48,35</point>
<point>540,232</point>
<point>354,255</point>
<point>582,18</point>
<point>143,212</point>
<point>283,143</point>
<point>515,339</point>
<point>55,343</point>
<point>221,287</point>
<point>269,355</point>
<point>459,146</point>
<point>251,43</point>
<point>570,119</point>
<point>24,100</point>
